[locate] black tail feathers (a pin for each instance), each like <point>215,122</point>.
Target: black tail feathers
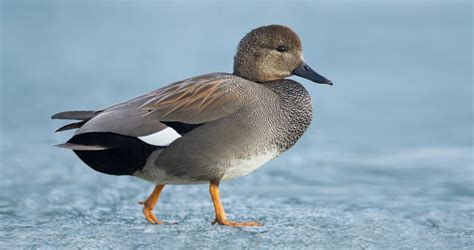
<point>111,153</point>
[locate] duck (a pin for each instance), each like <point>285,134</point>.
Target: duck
<point>205,129</point>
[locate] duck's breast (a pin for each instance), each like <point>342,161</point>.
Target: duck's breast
<point>293,114</point>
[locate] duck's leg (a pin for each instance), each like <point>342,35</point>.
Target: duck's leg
<point>150,203</point>
<point>220,213</point>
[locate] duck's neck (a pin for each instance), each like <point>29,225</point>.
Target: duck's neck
<point>247,74</point>
<point>250,69</point>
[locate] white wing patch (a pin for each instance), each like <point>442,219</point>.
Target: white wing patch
<point>161,138</point>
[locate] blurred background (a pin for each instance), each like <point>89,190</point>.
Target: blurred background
<point>387,161</point>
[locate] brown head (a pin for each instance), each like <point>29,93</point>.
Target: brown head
<point>270,53</point>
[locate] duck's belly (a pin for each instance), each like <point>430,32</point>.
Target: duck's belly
<point>235,168</point>
<point>241,167</point>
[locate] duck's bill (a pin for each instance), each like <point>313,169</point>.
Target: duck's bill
<point>307,72</point>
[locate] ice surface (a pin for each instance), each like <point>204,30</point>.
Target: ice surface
<point>387,162</point>
<point>303,202</point>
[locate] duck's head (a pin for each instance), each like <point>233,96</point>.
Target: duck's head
<point>270,53</point>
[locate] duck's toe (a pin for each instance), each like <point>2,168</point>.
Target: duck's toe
<point>148,212</point>
<point>238,224</point>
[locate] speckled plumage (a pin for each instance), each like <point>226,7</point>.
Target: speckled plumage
<point>296,112</point>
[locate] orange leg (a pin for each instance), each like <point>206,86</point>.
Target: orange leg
<point>150,203</point>
<point>220,213</point>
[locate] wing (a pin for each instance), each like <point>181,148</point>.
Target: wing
<point>200,99</point>
<point>182,106</point>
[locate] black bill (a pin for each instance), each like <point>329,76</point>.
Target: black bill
<point>307,72</point>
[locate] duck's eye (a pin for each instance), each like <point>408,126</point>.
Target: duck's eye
<point>282,48</point>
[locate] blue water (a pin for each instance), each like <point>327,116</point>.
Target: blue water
<point>386,163</point>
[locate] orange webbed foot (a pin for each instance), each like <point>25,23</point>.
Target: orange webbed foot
<point>150,203</point>
<point>220,213</point>
<point>148,212</point>
<point>238,224</point>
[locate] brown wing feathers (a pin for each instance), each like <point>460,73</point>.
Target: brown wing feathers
<point>193,94</point>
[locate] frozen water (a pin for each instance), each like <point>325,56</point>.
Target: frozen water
<point>387,162</point>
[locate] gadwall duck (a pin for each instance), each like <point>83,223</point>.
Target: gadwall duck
<point>205,129</point>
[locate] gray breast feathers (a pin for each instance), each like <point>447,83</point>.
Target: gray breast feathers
<point>295,111</point>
